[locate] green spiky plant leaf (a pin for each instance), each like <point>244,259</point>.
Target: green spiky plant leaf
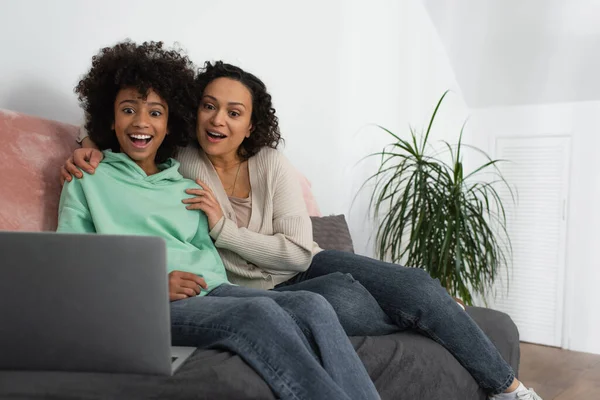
<point>432,215</point>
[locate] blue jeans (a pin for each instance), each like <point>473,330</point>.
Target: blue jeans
<point>408,298</point>
<point>293,340</point>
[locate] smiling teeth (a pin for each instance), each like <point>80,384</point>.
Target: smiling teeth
<point>141,136</point>
<point>215,134</point>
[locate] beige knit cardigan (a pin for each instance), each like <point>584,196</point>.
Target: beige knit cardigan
<point>278,242</point>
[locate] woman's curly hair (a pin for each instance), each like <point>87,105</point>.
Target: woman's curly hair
<point>265,124</point>
<point>143,67</point>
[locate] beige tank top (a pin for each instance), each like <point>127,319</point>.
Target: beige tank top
<point>242,209</point>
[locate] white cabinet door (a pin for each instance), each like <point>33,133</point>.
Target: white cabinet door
<point>534,293</point>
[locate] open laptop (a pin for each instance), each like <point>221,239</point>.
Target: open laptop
<point>85,303</point>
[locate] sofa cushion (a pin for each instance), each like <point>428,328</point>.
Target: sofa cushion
<point>332,233</point>
<point>33,149</point>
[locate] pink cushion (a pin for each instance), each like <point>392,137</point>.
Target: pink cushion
<point>309,199</point>
<point>31,153</point>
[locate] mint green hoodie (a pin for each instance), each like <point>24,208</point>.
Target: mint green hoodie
<point>120,199</point>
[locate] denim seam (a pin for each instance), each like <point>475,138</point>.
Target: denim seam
<point>447,346</point>
<point>409,317</point>
<point>507,383</point>
<point>236,336</point>
<point>299,322</point>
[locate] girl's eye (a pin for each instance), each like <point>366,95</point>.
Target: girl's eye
<point>155,113</point>
<point>234,113</point>
<point>209,106</point>
<point>128,110</point>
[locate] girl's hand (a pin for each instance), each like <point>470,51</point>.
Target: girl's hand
<point>185,284</point>
<point>206,201</point>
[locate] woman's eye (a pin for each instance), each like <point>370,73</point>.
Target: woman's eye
<point>234,113</point>
<point>155,113</point>
<point>209,106</point>
<point>128,110</point>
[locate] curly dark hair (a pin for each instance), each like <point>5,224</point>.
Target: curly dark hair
<point>265,132</point>
<point>143,67</point>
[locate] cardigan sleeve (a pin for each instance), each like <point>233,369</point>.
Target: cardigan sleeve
<point>289,248</point>
<point>83,133</point>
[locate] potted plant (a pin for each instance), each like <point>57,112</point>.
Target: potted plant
<point>431,214</point>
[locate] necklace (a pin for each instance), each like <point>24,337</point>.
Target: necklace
<point>236,177</point>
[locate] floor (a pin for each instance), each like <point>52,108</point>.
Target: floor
<point>558,374</point>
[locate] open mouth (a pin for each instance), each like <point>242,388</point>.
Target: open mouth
<point>140,141</point>
<point>215,136</point>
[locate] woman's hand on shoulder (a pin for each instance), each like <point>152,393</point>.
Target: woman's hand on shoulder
<point>185,284</point>
<point>204,199</point>
<point>85,158</point>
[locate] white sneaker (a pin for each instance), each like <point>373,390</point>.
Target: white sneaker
<point>528,394</point>
<point>522,393</point>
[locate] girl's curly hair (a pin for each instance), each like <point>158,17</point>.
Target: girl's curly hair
<point>143,67</point>
<point>265,132</point>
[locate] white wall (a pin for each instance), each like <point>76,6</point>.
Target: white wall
<point>582,122</point>
<point>331,66</point>
<point>393,71</point>
<point>514,52</point>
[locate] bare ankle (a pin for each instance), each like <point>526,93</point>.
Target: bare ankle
<point>513,386</point>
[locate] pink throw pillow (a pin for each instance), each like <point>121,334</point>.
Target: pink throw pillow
<point>32,150</point>
<point>309,199</point>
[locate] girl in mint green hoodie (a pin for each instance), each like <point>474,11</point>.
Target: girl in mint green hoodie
<point>140,105</point>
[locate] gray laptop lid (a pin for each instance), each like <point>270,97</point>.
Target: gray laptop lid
<point>84,303</point>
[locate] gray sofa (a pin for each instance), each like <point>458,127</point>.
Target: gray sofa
<point>403,365</point>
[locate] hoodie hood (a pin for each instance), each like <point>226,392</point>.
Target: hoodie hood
<point>168,171</point>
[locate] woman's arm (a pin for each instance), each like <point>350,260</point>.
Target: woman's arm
<point>84,139</point>
<point>289,248</point>
<point>87,143</point>
<point>281,251</point>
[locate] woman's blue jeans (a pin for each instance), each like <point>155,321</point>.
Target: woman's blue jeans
<point>390,297</point>
<point>294,340</point>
